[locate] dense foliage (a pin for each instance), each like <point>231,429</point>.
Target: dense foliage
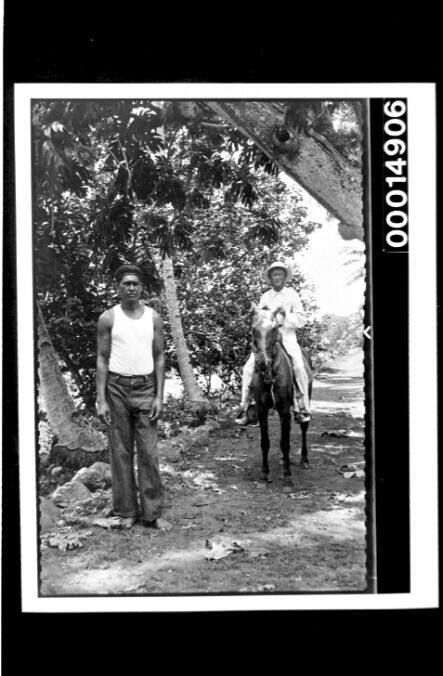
<point>128,181</point>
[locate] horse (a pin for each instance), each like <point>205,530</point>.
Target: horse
<point>273,387</point>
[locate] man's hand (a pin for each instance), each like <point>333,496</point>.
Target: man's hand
<point>156,409</point>
<point>280,315</point>
<point>103,411</point>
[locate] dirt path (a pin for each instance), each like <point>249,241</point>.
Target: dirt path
<point>307,537</point>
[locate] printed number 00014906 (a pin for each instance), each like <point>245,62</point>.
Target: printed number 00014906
<point>396,198</point>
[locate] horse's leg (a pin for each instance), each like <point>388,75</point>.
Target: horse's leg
<point>262,414</point>
<point>285,425</point>
<point>304,463</point>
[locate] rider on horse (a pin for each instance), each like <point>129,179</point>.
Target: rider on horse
<point>290,318</point>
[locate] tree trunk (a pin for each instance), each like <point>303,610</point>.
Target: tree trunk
<point>76,443</point>
<point>199,403</point>
<point>309,159</point>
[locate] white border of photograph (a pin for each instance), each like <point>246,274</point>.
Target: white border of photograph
<point>422,346</point>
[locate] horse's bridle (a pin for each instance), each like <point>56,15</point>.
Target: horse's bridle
<point>269,373</point>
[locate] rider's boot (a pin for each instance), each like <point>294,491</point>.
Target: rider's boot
<point>302,416</point>
<point>242,418</point>
<point>301,413</point>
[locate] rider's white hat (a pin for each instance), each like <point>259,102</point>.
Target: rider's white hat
<point>277,264</point>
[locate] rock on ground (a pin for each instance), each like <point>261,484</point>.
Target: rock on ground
<point>49,515</point>
<point>71,493</point>
<point>96,476</point>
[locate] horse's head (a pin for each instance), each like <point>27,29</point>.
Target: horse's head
<point>265,335</point>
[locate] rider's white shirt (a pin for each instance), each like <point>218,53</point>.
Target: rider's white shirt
<point>289,299</point>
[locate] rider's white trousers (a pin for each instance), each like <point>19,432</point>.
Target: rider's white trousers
<point>301,399</point>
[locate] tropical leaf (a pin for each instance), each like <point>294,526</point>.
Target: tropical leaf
<point>169,190</point>
<point>199,200</point>
<point>144,178</point>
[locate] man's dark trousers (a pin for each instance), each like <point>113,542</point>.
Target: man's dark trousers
<point>130,399</point>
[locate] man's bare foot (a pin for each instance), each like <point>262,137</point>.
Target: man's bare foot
<point>123,522</point>
<point>159,524</point>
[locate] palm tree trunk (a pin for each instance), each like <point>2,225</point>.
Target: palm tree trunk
<point>76,442</point>
<point>199,402</point>
<point>309,159</point>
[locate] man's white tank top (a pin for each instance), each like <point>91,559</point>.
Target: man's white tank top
<point>131,343</point>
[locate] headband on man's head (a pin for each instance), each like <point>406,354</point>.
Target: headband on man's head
<point>128,269</point>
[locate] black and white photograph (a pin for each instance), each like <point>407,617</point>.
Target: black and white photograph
<point>204,421</point>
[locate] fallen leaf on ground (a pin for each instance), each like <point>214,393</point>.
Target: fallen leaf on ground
<point>105,522</point>
<point>339,433</point>
<point>359,474</point>
<point>265,587</point>
<point>65,541</point>
<point>219,550</point>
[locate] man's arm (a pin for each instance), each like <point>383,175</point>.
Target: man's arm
<point>297,317</point>
<point>104,329</point>
<point>159,364</point>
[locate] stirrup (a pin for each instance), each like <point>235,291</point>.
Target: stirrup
<point>247,417</point>
<point>302,416</point>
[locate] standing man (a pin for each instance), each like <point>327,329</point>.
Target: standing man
<point>291,317</point>
<point>130,382</point>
